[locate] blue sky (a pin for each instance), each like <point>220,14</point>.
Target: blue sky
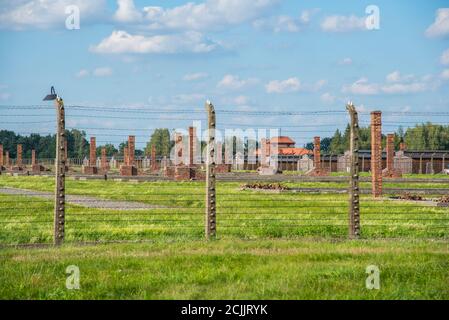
<point>259,55</point>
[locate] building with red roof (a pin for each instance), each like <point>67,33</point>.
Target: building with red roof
<point>281,146</point>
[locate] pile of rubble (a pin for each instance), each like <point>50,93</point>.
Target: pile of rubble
<point>264,186</point>
<point>409,196</point>
<point>443,201</point>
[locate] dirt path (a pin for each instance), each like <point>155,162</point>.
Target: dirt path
<point>89,202</point>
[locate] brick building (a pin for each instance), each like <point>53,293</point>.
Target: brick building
<point>284,149</point>
<point>408,161</point>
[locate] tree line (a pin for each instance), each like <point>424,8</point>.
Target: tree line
<point>426,136</point>
<point>45,146</point>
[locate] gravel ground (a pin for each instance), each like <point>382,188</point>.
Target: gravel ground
<point>89,202</point>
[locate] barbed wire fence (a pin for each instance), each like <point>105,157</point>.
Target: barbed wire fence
<point>244,205</point>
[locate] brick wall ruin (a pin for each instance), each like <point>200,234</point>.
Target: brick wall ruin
<point>1,157</point>
<point>92,167</point>
<point>19,155</point>
<point>318,168</point>
<point>104,161</point>
<point>128,168</point>
<point>391,171</point>
<point>154,166</point>
<point>19,164</point>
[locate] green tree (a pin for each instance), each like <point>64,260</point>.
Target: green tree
<point>111,150</point>
<point>77,144</point>
<point>336,144</point>
<point>161,140</point>
<point>325,145</point>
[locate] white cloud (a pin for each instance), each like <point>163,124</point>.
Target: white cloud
<point>211,14</point>
<point>445,74</point>
<point>402,88</point>
<point>183,99</point>
<point>445,57</point>
<point>319,85</point>
<point>195,76</point>
<point>98,72</point>
<point>284,23</point>
<point>406,109</point>
<point>306,15</point>
<point>363,108</point>
<point>440,27</point>
<point>345,62</point>
<point>278,24</point>
<point>396,76</point>
<point>4,96</point>
<point>395,84</point>
<point>82,73</point>
<point>127,12</point>
<point>241,100</point>
<point>343,23</point>
<point>231,82</point>
<point>327,98</point>
<point>362,87</point>
<point>427,78</point>
<point>103,72</point>
<point>283,86</point>
<point>26,14</point>
<point>123,42</point>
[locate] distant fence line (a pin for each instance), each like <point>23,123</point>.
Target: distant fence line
<point>332,163</point>
<point>248,211</point>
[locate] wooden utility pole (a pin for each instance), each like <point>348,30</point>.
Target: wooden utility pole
<point>210,221</point>
<point>354,190</point>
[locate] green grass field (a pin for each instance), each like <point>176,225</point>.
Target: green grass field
<point>269,245</point>
<point>179,210</point>
<point>230,269</point>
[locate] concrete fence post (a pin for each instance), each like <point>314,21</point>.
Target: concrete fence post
<point>210,219</point>
<point>60,163</point>
<point>376,153</point>
<point>443,165</point>
<point>432,167</point>
<point>390,152</point>
<point>354,190</point>
<point>363,163</point>
<point>420,165</point>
